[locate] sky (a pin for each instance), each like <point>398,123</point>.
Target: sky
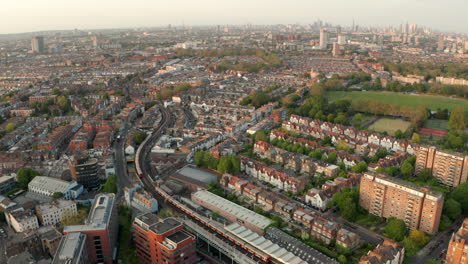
<point>37,15</point>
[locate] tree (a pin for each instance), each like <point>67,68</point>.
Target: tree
<point>395,229</point>
<point>331,158</point>
<point>10,127</point>
<point>139,137</point>
<point>407,169</point>
<point>452,209</point>
<point>457,119</point>
<point>110,186</point>
<point>414,242</point>
<point>57,195</point>
<point>399,134</point>
<point>425,175</point>
<point>360,167</point>
<point>460,194</point>
<point>24,176</point>
<point>415,138</point>
<point>62,102</point>
<point>69,218</point>
<point>342,259</point>
<point>229,164</point>
<point>349,212</point>
<point>165,213</point>
<point>261,136</point>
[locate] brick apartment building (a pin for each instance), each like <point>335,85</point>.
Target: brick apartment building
<point>449,168</point>
<point>162,241</point>
<point>457,252</point>
<point>419,207</point>
<point>101,229</point>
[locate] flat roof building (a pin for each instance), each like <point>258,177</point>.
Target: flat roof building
<point>48,186</point>
<point>231,211</point>
<point>72,250</point>
<point>100,228</point>
<point>162,240</point>
<point>419,207</point>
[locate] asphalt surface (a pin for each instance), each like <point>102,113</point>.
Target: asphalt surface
<point>120,162</point>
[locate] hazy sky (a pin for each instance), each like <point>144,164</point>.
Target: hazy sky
<point>36,15</point>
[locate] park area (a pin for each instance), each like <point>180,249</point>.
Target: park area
<point>413,100</point>
<point>389,125</point>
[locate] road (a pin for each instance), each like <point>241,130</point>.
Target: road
<point>438,243</point>
<point>120,162</point>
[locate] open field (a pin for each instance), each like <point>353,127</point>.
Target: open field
<point>390,125</point>
<point>436,124</point>
<point>431,101</point>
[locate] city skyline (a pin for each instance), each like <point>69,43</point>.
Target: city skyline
<point>32,16</point>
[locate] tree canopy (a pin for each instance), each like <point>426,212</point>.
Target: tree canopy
<point>25,175</point>
<point>395,229</point>
<point>460,194</point>
<point>457,119</point>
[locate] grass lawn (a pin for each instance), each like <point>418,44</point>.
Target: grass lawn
<point>431,101</point>
<point>390,125</point>
<point>436,124</point>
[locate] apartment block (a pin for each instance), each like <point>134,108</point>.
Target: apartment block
<point>449,168</point>
<point>101,229</point>
<point>419,207</point>
<point>53,213</point>
<point>72,250</point>
<point>162,241</point>
<point>457,252</point>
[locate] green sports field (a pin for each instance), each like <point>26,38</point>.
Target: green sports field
<point>431,101</point>
<point>390,125</point>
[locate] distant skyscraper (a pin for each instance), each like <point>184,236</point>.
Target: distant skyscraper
<point>95,41</point>
<point>37,44</point>
<point>440,44</point>
<point>324,36</point>
<point>336,50</point>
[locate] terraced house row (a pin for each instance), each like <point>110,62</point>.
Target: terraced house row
<point>311,222</point>
<point>361,140</point>
<point>277,178</point>
<point>296,162</point>
<point>342,156</point>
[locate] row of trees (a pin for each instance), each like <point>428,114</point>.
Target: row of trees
<point>417,115</point>
<point>167,92</point>
<point>226,164</point>
<point>269,57</point>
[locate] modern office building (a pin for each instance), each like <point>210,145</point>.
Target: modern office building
<point>449,168</point>
<point>6,183</point>
<point>100,228</point>
<point>457,252</point>
<point>84,170</point>
<point>162,240</point>
<point>419,207</point>
<point>37,44</point>
<point>72,250</point>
